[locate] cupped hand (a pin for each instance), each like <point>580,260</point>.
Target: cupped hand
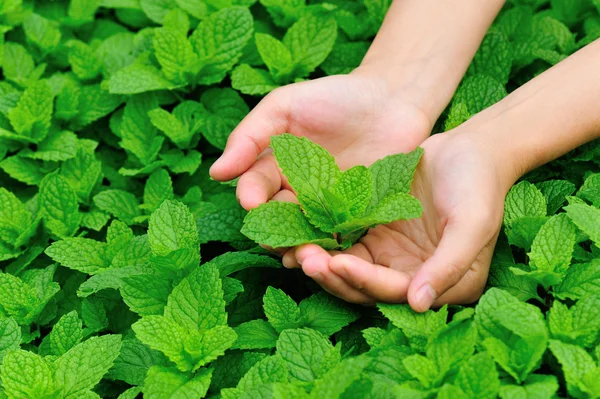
<point>355,117</point>
<point>442,257</point>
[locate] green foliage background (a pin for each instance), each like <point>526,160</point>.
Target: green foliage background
<point>112,111</point>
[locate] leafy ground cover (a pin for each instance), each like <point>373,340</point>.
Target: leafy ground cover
<point>111,113</point>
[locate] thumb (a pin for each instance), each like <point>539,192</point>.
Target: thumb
<point>461,242</point>
<point>252,136</point>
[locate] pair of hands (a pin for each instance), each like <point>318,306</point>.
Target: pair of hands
<point>442,257</point>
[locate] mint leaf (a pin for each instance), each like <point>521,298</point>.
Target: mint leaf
<point>65,334</point>
<point>174,54</point>
<point>578,325</point>
<point>172,227</point>
<point>477,377</point>
<point>310,40</point>
<point>58,203</point>
<point>82,254</point>
<point>145,294</point>
<point>252,81</point>
<point>25,374</point>
<point>224,110</point>
<point>523,200</point>
<point>281,310</point>
<point>197,301</point>
<point>585,217</point>
<point>555,192</point>
<point>494,57</point>
<point>275,55</point>
<point>581,279</point>
<point>165,335</point>
<point>416,326</point>
<point>303,350</point>
<point>219,40</point>
<point>163,383</point>
<point>282,224</point>
<point>84,365</point>
<point>308,167</point>
<point>121,204</point>
<point>326,314</point>
<point>255,334</point>
<point>578,366</point>
<point>33,114</point>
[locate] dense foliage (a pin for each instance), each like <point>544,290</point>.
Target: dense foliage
<point>111,112</point>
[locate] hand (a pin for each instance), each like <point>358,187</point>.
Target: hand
<point>442,257</point>
<point>353,116</point>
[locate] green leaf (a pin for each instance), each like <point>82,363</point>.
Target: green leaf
<point>58,203</point>
<point>478,92</point>
<point>523,200</point>
<point>310,40</point>
<point>145,294</point>
<point>590,190</point>
<point>82,172</point>
<point>158,189</point>
<point>134,361</point>
<point>587,218</point>
<point>225,109</point>
<point>275,55</point>
<point>582,279</point>
<point>27,375</point>
<point>268,370</point>
<point>171,126</point>
<point>281,310</point>
<point>219,40</point>
<point>197,301</point>
<point>282,224</point>
<point>10,336</point>
<point>252,81</point>
<point>84,365</point>
<point>303,350</point>
<point>76,253</point>
<point>255,334</point>
<point>209,345</point>
<point>333,383</point>
<point>42,32</point>
<point>166,383</point>
<point>344,57</point>
<point>121,204</point>
<point>578,325</point>
<point>308,168</point>
<point>138,78</point>
<point>421,368</point>
<point>25,170</point>
<point>138,134</point>
<point>84,62</point>
<point>165,335</point>
<point>494,57</point>
<point>536,386</point>
<point>555,192</point>
<point>172,227</point>
<point>174,54</point>
<point>33,114</point>
<point>59,146</point>
<point>478,377</point>
<point>514,332</point>
<point>326,314</point>
<point>452,345</point>
<point>578,367</point>
<point>416,326</point>
<point>552,248</point>
<point>65,334</point>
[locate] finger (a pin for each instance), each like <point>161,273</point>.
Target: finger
<point>462,240</point>
<point>289,259</point>
<point>251,137</point>
<point>259,183</point>
<point>285,196</point>
<point>314,260</point>
<point>377,281</point>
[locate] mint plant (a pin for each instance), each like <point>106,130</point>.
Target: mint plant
<point>125,271</point>
<point>335,208</point>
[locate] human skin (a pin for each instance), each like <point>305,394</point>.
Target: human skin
<point>387,105</point>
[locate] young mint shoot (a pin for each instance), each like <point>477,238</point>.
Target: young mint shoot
<point>335,209</point>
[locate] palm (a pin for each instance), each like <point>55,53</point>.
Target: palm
<point>455,183</point>
<point>350,117</point>
<point>447,185</point>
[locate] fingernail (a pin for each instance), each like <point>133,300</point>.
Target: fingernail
<point>425,297</point>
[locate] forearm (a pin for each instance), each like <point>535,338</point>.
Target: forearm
<point>545,118</point>
<point>424,47</point>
